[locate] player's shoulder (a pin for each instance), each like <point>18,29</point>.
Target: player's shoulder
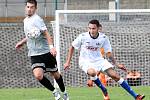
<point>25,19</point>
<point>37,17</point>
<point>84,34</point>
<point>102,35</point>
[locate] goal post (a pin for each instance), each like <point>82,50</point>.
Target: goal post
<point>129,37</point>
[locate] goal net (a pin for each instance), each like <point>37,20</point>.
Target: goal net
<point>129,34</point>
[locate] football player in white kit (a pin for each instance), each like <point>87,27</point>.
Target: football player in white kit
<point>91,60</point>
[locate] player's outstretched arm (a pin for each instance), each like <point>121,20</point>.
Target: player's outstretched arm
<point>113,61</point>
<point>21,43</point>
<point>69,56</point>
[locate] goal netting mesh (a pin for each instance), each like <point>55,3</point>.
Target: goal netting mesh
<point>129,34</point>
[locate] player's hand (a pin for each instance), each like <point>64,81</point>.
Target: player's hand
<point>18,45</point>
<point>122,67</point>
<point>53,51</point>
<point>66,66</point>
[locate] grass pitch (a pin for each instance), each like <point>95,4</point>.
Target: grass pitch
<point>75,93</point>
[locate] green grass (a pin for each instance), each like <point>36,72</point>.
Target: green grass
<point>76,93</point>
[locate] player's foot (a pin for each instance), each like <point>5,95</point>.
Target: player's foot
<point>56,94</point>
<point>106,96</point>
<point>140,97</point>
<point>65,96</point>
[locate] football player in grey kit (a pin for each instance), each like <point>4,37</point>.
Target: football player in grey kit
<point>41,50</point>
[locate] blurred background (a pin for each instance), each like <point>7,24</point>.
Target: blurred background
<point>46,8</point>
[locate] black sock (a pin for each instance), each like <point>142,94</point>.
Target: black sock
<point>45,82</point>
<point>61,84</point>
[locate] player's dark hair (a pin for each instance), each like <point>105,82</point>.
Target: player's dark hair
<point>32,1</point>
<point>94,21</point>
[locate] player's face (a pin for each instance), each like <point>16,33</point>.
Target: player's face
<point>30,9</point>
<point>93,29</point>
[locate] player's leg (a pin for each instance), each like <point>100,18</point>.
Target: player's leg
<point>51,65</point>
<point>102,78</point>
<point>93,74</point>
<point>39,67</point>
<point>59,80</point>
<point>38,74</point>
<point>60,83</point>
<point>112,73</point>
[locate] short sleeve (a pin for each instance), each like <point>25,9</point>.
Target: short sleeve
<point>107,46</point>
<point>40,24</point>
<point>77,42</point>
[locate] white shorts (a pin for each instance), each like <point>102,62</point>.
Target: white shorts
<point>100,65</point>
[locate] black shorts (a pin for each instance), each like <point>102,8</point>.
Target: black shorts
<point>46,61</point>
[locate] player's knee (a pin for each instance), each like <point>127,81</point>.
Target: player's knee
<point>38,76</point>
<point>91,72</point>
<point>38,73</point>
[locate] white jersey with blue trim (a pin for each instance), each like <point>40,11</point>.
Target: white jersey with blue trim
<point>90,47</point>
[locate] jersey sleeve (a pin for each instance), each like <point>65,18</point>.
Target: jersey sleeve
<point>40,24</point>
<point>107,46</point>
<point>77,42</point>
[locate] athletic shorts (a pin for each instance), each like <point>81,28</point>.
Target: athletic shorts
<point>46,61</point>
<point>100,65</point>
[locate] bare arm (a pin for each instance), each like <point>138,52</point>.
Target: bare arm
<point>48,37</point>
<point>69,56</point>
<point>113,61</point>
<point>111,58</point>
<point>50,42</point>
<point>21,43</point>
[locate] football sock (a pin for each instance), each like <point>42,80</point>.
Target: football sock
<point>46,83</point>
<point>61,83</point>
<point>125,85</point>
<point>100,85</point>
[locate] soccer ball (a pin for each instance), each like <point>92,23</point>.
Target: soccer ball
<point>34,33</point>
<point>90,83</point>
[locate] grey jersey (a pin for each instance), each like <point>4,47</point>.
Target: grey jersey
<point>39,45</point>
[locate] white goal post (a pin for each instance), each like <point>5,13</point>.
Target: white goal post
<point>111,14</point>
